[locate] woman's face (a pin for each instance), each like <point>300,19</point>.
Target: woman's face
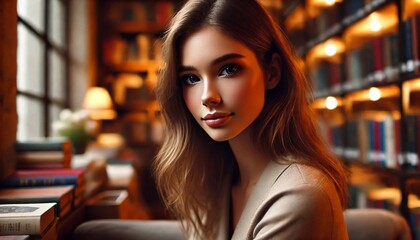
<point>223,83</point>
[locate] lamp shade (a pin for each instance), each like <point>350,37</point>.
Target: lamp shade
<point>98,103</point>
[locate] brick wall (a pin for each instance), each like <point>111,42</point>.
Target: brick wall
<point>8,115</point>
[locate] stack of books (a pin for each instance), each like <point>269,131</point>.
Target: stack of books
<point>42,185</point>
<point>42,188</point>
<point>45,153</point>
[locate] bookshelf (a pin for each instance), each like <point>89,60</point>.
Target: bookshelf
<point>128,60</point>
<point>362,57</point>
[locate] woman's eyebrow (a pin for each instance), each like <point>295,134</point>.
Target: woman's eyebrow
<point>215,61</point>
<point>226,57</point>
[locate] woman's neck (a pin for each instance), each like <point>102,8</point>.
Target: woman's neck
<point>250,159</point>
<point>251,163</point>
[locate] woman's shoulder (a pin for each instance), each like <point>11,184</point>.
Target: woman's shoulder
<point>302,174</point>
<point>304,182</point>
<point>301,197</point>
<point>304,189</point>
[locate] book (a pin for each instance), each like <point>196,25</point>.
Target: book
<point>411,141</point>
<point>390,143</point>
<point>415,45</point>
<point>49,234</point>
<point>45,152</point>
<point>108,204</point>
<point>62,195</point>
<point>363,138</point>
<point>408,54</point>
<point>378,59</point>
<point>44,145</point>
<point>15,237</point>
<point>32,219</point>
<point>44,177</point>
<point>60,158</point>
<point>352,152</point>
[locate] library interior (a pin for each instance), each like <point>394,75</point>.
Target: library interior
<point>80,124</point>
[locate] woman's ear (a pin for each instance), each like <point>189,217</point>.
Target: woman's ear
<point>273,72</point>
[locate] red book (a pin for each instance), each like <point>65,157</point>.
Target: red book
<point>378,57</point>
<point>415,41</point>
<point>62,195</point>
<point>334,71</point>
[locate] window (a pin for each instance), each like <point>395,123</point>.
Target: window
<point>42,72</point>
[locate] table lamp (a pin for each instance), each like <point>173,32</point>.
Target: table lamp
<point>98,103</point>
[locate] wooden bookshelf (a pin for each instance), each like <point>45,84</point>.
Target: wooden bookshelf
<point>129,57</point>
<point>365,68</point>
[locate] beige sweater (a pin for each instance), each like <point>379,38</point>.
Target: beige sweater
<point>288,202</point>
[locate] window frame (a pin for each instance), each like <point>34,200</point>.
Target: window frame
<point>46,100</point>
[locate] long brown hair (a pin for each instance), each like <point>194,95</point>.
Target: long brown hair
<point>190,166</point>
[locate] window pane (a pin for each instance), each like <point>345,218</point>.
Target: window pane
<point>54,114</point>
<point>30,65</point>
<point>32,11</point>
<point>57,76</point>
<point>57,23</point>
<point>30,118</point>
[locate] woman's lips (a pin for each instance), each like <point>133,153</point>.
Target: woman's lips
<point>217,119</point>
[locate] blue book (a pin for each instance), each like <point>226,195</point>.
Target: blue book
<point>382,144</point>
<point>31,178</point>
<point>44,145</point>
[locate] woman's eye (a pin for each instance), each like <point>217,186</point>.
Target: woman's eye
<point>190,79</point>
<point>229,70</point>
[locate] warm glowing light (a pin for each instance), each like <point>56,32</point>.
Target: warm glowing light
<point>374,94</point>
<point>331,103</point>
<point>330,49</point>
<point>374,23</point>
<point>99,104</point>
<point>331,2</point>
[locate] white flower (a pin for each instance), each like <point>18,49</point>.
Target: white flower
<point>66,115</point>
<point>75,125</point>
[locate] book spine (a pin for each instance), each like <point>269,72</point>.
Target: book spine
<point>382,148</point>
<point>43,146</point>
<point>411,154</point>
<point>362,139</point>
<point>42,157</point>
<point>378,59</point>
<point>26,225</point>
<point>377,142</point>
<point>397,134</point>
<point>42,166</point>
<point>408,45</point>
<point>51,199</point>
<point>417,137</point>
<point>415,42</point>
<point>395,53</point>
<point>39,181</point>
<point>371,142</point>
<point>391,158</point>
<point>354,151</point>
<point>61,203</point>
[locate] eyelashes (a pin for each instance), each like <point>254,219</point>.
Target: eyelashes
<point>229,70</point>
<point>189,79</point>
<point>226,71</point>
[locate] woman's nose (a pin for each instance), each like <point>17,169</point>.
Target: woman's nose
<point>210,96</point>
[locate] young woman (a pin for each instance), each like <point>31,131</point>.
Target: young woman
<point>241,157</point>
